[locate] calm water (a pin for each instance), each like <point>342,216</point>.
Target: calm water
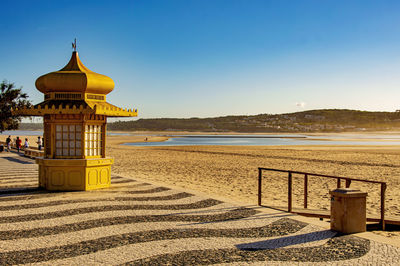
<point>250,140</point>
<point>259,141</point>
<point>23,132</point>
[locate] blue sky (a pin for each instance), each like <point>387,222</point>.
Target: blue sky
<point>210,58</point>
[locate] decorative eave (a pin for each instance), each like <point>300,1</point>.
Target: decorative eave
<point>105,108</point>
<point>78,107</point>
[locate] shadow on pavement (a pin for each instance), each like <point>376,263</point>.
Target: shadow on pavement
<point>20,191</point>
<point>20,159</point>
<point>282,242</point>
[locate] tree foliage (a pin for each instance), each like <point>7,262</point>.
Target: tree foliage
<point>10,99</point>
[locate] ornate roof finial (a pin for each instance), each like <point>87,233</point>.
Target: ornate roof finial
<point>74,45</point>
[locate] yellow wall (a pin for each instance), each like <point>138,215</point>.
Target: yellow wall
<point>74,174</point>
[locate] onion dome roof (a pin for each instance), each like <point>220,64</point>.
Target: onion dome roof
<point>75,77</point>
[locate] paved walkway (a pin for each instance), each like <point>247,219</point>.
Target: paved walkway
<point>139,223</point>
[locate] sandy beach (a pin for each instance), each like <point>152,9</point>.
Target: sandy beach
<point>231,171</point>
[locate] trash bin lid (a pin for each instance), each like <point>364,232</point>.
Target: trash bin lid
<point>348,192</point>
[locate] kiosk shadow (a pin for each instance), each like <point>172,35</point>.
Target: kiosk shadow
<point>16,191</point>
<point>22,160</point>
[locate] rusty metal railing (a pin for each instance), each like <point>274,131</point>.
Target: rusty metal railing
<point>348,181</point>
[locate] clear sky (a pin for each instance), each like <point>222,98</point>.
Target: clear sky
<point>208,58</point>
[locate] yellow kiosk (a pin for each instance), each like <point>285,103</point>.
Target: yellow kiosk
<point>75,115</point>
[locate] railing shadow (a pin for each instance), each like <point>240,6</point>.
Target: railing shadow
<point>286,241</point>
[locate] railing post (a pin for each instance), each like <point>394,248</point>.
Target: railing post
<point>338,183</point>
<point>305,190</point>
<point>290,192</point>
<point>348,183</point>
<point>383,189</point>
<point>259,185</point>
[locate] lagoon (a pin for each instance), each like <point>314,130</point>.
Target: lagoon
<point>268,140</point>
<point>249,139</point>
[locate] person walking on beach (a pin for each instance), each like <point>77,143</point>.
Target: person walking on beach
<point>18,143</point>
<point>8,143</point>
<point>26,145</point>
<point>39,143</point>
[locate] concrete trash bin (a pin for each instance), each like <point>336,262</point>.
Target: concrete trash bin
<point>348,210</point>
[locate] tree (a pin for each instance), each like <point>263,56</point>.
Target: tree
<point>10,99</point>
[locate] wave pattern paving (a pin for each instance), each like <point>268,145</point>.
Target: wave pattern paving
<point>138,223</point>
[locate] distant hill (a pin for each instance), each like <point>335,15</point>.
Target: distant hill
<point>30,126</point>
<point>325,120</point>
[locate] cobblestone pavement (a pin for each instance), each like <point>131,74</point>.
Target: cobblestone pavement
<point>138,223</point>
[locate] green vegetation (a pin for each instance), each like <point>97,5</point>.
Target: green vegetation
<point>31,126</point>
<point>11,98</point>
<point>326,120</point>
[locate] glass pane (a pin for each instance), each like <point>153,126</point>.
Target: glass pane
<point>72,152</point>
<point>58,128</point>
<point>71,144</point>
<point>95,129</point>
<point>78,135</point>
<point>65,135</point>
<point>78,152</point>
<point>65,144</point>
<point>71,136</point>
<point>94,137</point>
<point>58,152</point>
<point>90,152</point>
<point>78,128</point>
<point>72,128</point>
<point>65,128</point>
<point>90,145</point>
<point>58,136</point>
<point>78,144</point>
<point>65,152</point>
<point>58,144</point>
<point>94,152</point>
<point>87,128</point>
